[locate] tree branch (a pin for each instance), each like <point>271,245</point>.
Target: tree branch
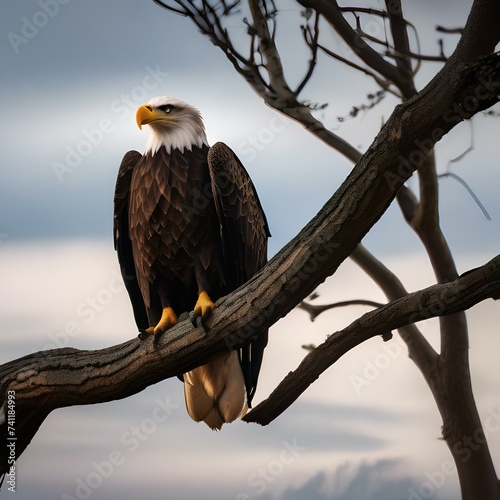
<point>311,39</point>
<point>401,42</point>
<point>269,51</point>
<point>315,310</point>
<point>459,295</point>
<point>384,84</point>
<point>331,11</point>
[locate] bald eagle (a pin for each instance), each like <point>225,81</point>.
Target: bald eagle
<point>188,229</point>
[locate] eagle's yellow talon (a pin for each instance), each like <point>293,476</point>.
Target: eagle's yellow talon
<point>204,305</point>
<point>168,320</point>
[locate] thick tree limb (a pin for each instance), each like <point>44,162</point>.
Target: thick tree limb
<point>436,300</point>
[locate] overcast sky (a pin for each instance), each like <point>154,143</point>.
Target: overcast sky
<point>73,74</point>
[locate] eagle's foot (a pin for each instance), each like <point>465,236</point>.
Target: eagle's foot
<point>144,334</point>
<point>203,308</point>
<point>168,320</point>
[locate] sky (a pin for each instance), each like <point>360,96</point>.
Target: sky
<point>73,74</point>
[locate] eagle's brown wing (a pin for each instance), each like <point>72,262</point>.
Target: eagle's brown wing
<point>244,227</point>
<point>123,245</point>
<point>244,231</point>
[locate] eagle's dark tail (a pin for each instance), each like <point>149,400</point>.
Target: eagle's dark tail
<point>215,392</point>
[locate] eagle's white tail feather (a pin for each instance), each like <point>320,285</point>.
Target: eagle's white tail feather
<point>215,392</point>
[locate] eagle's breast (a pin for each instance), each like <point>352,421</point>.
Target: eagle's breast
<point>173,221</point>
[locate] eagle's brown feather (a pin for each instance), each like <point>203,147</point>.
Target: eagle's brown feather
<point>174,230</point>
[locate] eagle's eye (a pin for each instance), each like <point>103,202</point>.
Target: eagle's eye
<point>167,108</point>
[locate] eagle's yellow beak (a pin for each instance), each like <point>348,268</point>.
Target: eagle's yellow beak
<point>146,114</point>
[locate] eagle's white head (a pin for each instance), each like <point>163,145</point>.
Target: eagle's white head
<point>174,124</point>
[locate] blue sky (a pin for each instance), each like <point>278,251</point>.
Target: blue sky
<point>71,81</point>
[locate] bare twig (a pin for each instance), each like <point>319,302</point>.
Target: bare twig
<point>450,31</point>
<point>384,84</point>
<point>311,38</point>
<point>469,190</point>
<point>315,310</point>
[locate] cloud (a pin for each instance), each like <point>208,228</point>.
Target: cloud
<point>383,479</point>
